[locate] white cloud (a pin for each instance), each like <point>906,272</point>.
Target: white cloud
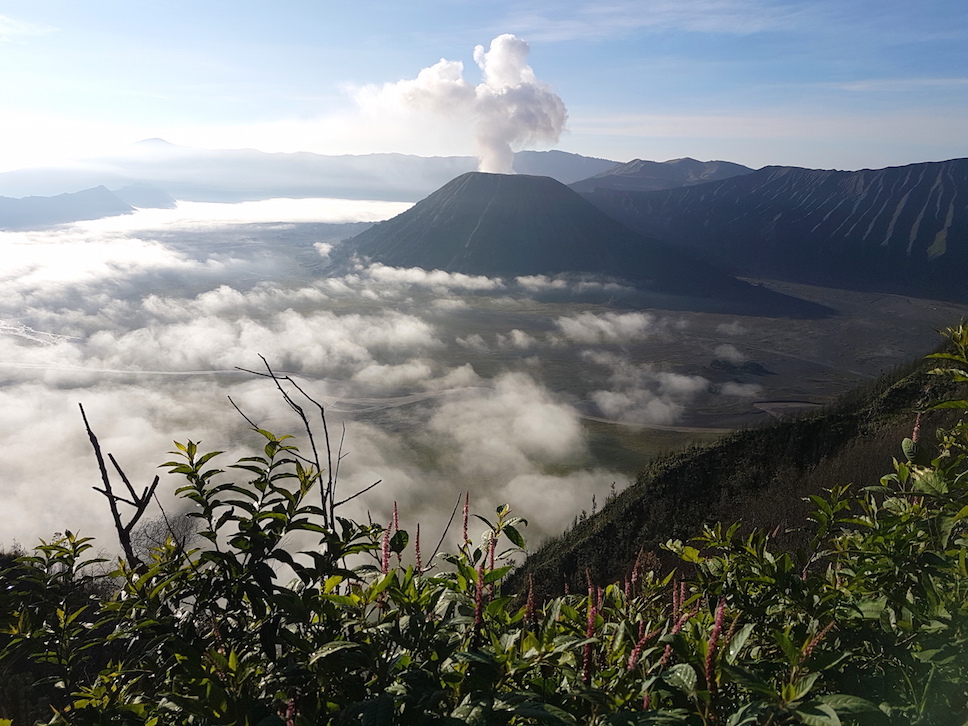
<point>196,215</point>
<point>607,327</point>
<point>729,353</point>
<point>516,426</point>
<point>516,339</point>
<point>474,342</point>
<point>640,394</point>
<point>438,280</point>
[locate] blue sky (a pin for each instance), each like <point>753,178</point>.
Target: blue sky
<point>846,84</point>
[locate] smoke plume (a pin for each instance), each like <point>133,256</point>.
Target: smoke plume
<point>510,107</point>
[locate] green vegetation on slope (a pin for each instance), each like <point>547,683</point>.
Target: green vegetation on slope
<point>759,477</point>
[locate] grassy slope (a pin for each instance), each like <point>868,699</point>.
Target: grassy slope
<point>756,476</point>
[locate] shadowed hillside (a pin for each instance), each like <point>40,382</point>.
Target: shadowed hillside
<point>758,477</point>
<point>900,229</point>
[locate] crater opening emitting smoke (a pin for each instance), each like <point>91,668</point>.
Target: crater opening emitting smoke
<point>510,107</point>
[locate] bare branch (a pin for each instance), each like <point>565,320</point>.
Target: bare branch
<point>446,530</point>
<point>242,413</point>
<point>123,533</point>
<point>362,491</point>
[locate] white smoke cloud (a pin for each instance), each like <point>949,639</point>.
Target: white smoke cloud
<point>510,108</point>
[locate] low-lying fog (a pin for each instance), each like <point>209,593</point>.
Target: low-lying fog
<point>445,382</point>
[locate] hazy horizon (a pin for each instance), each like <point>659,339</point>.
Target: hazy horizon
<point>811,83</point>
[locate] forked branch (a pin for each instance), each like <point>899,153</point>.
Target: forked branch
<point>139,502</point>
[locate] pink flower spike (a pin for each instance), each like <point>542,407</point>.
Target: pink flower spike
<point>385,560</point>
<point>531,608</point>
<point>667,653</point>
<point>467,508</point>
<point>637,650</point>
<point>713,645</point>
<point>816,640</point>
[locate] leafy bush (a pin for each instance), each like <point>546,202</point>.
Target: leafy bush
<point>871,627</point>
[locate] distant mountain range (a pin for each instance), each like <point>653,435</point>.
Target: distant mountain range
<point>900,229</point>
<point>33,212</point>
<point>646,176</point>
<point>519,225</point>
<point>234,175</point>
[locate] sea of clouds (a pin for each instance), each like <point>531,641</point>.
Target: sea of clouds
<point>445,382</point>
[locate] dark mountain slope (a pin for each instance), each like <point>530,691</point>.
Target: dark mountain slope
<point>900,229</point>
<point>44,211</point>
<point>756,476</point>
<point>515,225</point>
<point>645,176</point>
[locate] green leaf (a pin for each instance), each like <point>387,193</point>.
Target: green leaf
<point>872,609</point>
<point>682,676</point>
<point>380,586</point>
<point>328,649</point>
<point>514,535</point>
<point>848,705</point>
<point>738,641</point>
<point>749,680</point>
<point>544,712</point>
<point>398,543</point>
<point>910,449</point>
<point>690,554</point>
<point>817,714</point>
<point>804,685</point>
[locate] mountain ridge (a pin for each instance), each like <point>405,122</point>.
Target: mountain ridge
<point>643,175</point>
<point>899,229</point>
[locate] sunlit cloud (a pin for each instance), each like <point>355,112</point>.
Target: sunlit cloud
<point>607,327</point>
<point>641,394</point>
<point>197,215</point>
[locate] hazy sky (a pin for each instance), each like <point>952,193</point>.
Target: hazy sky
<point>838,83</point>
